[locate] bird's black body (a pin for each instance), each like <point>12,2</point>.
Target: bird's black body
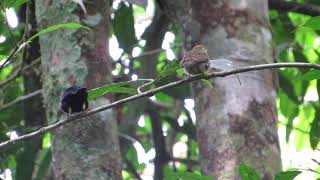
<point>74,99</point>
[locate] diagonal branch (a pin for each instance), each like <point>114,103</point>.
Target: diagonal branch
<point>156,90</point>
<point>20,71</point>
<point>20,99</point>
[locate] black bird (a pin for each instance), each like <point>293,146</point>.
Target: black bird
<point>74,99</point>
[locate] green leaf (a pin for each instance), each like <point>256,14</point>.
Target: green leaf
<point>168,173</point>
<point>46,140</point>
<point>289,109</point>
<point>314,133</point>
<point>247,172</point>
<point>58,26</point>
<point>287,175</point>
<point>207,82</point>
<point>113,88</point>
<point>26,162</point>
<point>45,159</point>
<point>123,27</point>
<point>170,68</point>
<point>172,175</point>
<point>310,75</point>
<point>307,114</point>
<point>313,23</point>
<point>13,3</point>
<point>3,57</point>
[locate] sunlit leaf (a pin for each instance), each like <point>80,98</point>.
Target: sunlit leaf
<point>3,57</point>
<point>289,109</point>
<point>287,175</point>
<point>56,27</point>
<point>310,75</point>
<point>306,116</point>
<point>46,140</point>
<point>13,3</point>
<point>315,130</point>
<point>247,172</point>
<point>313,23</point>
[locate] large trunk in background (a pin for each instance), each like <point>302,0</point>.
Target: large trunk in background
<point>34,112</point>
<point>236,123</point>
<point>88,149</point>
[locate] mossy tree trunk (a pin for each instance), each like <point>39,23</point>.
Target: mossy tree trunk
<point>88,149</point>
<point>236,123</point>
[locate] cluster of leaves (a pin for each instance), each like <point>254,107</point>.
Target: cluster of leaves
<point>296,39</point>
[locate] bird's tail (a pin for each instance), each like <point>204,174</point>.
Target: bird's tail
<point>221,64</point>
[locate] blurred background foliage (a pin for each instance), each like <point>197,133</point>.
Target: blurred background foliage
<point>297,103</point>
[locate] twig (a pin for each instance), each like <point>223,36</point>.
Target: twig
<point>151,52</point>
<point>185,161</point>
<point>19,72</point>
<point>144,85</point>
<point>285,6</point>
<point>156,90</point>
<point>20,99</point>
<point>132,169</point>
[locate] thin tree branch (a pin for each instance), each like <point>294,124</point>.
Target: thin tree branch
<point>19,72</point>
<point>20,99</point>
<point>17,45</point>
<point>286,6</point>
<point>132,169</point>
<point>156,90</point>
<point>185,161</point>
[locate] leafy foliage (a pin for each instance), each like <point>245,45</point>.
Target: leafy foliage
<point>172,175</point>
<point>247,172</point>
<point>123,27</point>
<point>287,175</point>
<point>310,75</point>
<point>13,3</point>
<point>312,23</point>
<point>170,68</point>
<point>296,39</point>
<point>121,87</point>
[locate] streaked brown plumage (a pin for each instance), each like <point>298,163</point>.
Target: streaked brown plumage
<point>196,61</point>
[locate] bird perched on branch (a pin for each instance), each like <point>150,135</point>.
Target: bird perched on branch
<point>196,61</point>
<point>74,99</point>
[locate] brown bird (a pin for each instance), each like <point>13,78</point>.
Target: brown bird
<point>196,61</point>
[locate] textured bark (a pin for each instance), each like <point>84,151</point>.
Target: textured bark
<point>235,123</point>
<point>34,112</point>
<point>88,149</point>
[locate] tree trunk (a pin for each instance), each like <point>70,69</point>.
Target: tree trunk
<point>88,149</point>
<point>34,112</point>
<point>235,123</point>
